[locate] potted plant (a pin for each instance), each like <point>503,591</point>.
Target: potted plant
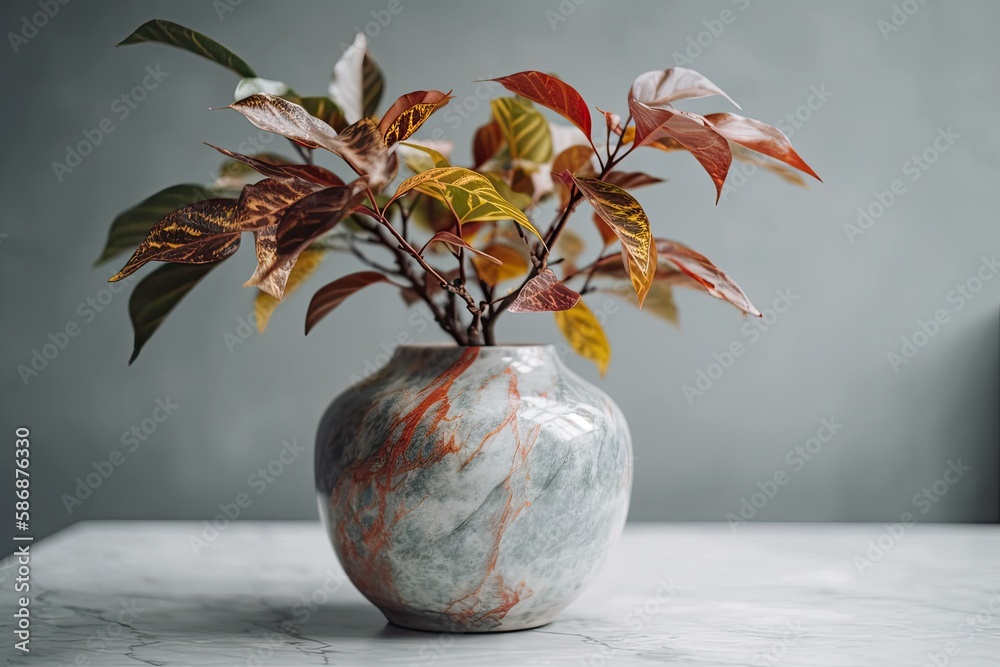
<point>474,486</point>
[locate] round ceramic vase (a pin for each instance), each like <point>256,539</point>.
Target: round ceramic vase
<point>473,489</point>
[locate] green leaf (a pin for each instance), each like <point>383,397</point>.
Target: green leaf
<point>373,83</point>
<point>157,294</point>
<point>131,226</point>
<point>525,130</point>
<point>168,32</point>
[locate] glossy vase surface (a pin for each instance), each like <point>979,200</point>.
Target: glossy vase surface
<point>473,489</point>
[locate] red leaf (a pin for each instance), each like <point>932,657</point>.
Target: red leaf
<point>709,147</point>
<point>305,172</point>
<point>544,292</point>
<point>631,179</point>
<point>486,142</point>
<point>677,83</point>
<point>409,112</point>
<point>334,294</point>
<point>710,277</point>
<point>550,92</point>
<point>760,137</point>
<point>454,240</point>
<point>612,120</point>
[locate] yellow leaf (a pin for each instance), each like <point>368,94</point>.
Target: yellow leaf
<point>264,304</point>
<point>585,334</point>
<point>469,194</point>
<point>525,129</point>
<point>625,216</point>
<point>515,264</point>
<point>420,157</point>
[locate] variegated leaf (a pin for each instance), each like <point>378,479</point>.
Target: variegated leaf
<point>131,226</point>
<point>409,112</point>
<point>360,144</point>
<point>625,216</point>
<point>631,179</point>
<point>304,222</point>
<point>324,109</point>
<point>201,233</point>
<point>469,194</point>
<point>269,166</point>
<point>525,130</point>
<point>263,203</point>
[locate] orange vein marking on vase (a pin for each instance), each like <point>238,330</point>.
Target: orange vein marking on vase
<point>480,607</point>
<point>513,403</point>
<point>385,472</point>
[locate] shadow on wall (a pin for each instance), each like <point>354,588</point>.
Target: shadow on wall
<point>972,420</point>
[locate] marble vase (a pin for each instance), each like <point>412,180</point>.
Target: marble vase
<point>473,489</point>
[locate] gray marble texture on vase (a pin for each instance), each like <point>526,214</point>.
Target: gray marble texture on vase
<point>128,593</point>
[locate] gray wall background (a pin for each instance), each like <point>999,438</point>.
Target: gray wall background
<point>887,97</point>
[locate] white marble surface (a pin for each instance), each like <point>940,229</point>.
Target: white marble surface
<point>127,593</point>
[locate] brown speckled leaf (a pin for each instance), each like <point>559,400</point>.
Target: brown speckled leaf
<point>262,204</point>
<point>303,222</point>
<point>201,233</point>
<point>360,144</point>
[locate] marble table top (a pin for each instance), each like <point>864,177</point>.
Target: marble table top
<point>128,593</point>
